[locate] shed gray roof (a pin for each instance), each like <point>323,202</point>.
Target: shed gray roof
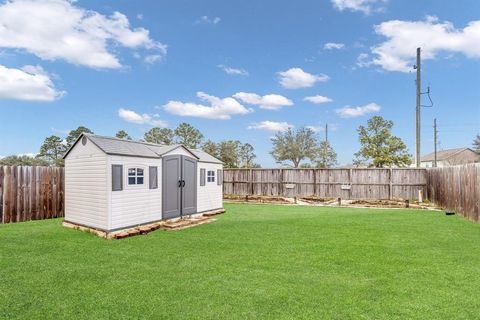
<point>205,157</point>
<point>116,146</point>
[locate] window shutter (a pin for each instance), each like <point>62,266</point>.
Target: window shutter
<point>153,177</point>
<point>117,177</point>
<point>202,177</point>
<point>219,177</point>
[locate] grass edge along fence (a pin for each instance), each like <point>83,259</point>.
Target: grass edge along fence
<point>456,188</point>
<point>31,193</point>
<point>351,183</point>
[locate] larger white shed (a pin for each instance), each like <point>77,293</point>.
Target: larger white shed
<point>113,184</point>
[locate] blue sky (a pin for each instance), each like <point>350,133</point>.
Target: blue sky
<point>237,69</point>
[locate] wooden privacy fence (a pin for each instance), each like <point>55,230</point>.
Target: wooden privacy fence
<point>326,183</point>
<point>31,193</point>
<point>456,188</point>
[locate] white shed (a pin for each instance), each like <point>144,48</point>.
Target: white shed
<point>113,184</point>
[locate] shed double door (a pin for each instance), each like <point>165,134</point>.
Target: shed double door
<point>179,186</point>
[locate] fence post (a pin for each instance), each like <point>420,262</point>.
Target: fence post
<point>281,183</point>
<point>390,186</point>
<point>251,181</point>
<point>350,171</point>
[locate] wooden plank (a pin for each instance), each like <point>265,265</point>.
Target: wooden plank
<point>54,195</point>
<point>14,195</point>
<point>38,193</point>
<point>26,194</point>
<point>33,191</point>
<point>1,193</point>
<point>7,205</point>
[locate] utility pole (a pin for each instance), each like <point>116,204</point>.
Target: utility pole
<point>326,132</point>
<point>419,92</point>
<point>435,137</point>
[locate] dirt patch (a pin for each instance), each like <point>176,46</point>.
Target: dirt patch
<point>256,199</point>
<point>331,202</point>
<point>316,200</point>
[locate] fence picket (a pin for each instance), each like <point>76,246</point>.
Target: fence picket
<point>456,188</point>
<point>326,183</point>
<point>30,193</point>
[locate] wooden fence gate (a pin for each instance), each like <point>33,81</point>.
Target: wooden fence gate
<point>31,193</point>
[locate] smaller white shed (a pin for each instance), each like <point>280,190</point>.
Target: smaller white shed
<point>113,184</point>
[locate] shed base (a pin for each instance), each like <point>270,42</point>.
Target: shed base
<point>172,224</point>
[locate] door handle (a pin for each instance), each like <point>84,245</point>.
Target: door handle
<point>179,183</point>
<point>183,185</point>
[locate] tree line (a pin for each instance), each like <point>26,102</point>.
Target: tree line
<point>294,147</point>
<point>232,152</point>
<point>378,147</point>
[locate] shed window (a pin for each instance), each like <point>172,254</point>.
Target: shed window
<point>135,176</point>
<point>202,177</point>
<point>219,177</point>
<point>117,177</point>
<point>210,176</point>
<point>153,177</point>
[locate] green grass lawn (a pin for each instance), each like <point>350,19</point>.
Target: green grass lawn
<point>254,262</point>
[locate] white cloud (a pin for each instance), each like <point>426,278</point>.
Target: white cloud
<point>398,52</point>
<point>28,154</point>
<point>208,20</point>
<point>59,131</point>
<point>57,29</point>
<point>353,112</point>
<point>333,45</point>
<point>319,128</point>
<point>295,78</point>
<point>269,101</point>
<point>363,60</point>
<point>234,71</point>
<point>318,99</point>
<point>271,126</point>
<point>315,129</point>
<point>132,116</point>
<point>30,83</point>
<point>365,6</point>
<point>152,58</point>
<point>218,108</point>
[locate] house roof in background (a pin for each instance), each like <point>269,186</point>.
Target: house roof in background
<point>444,154</point>
<point>123,147</point>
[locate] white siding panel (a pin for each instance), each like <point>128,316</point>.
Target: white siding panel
<point>136,205</point>
<point>210,196</point>
<point>86,186</point>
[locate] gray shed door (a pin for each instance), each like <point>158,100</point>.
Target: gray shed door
<point>189,185</point>
<point>179,182</point>
<point>171,191</point>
